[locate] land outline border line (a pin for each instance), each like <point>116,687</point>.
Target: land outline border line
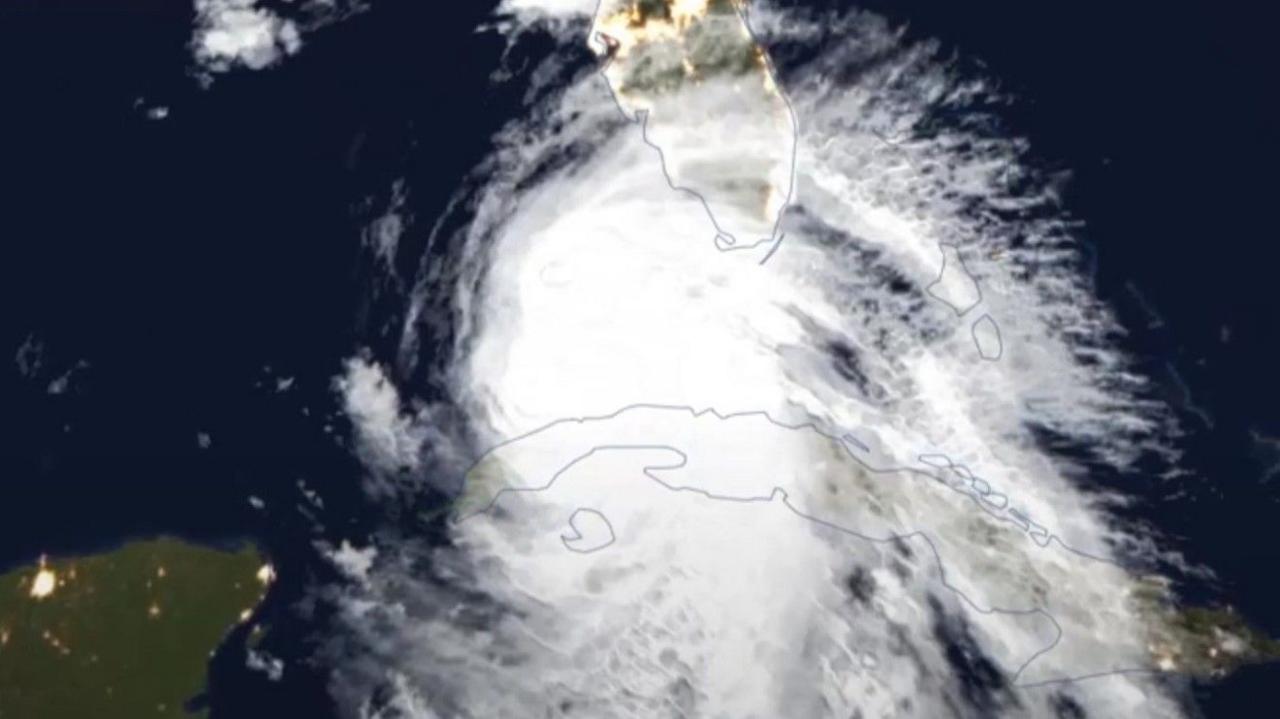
<point>727,242</point>
<point>1041,536</point>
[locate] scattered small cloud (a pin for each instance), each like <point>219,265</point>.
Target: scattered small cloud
<point>352,562</point>
<point>61,383</point>
<point>30,356</point>
<point>312,496</point>
<point>260,661</point>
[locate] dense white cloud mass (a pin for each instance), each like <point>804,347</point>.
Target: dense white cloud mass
<point>231,34</point>
<point>236,32</point>
<point>383,429</point>
<point>793,480</point>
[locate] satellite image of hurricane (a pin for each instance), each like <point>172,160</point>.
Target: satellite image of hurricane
<point>698,359</point>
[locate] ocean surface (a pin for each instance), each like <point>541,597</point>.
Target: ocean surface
<point>187,290</point>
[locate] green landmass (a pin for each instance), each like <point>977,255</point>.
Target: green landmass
<point>1215,641</point>
<point>716,44</point>
<point>127,633</point>
<point>1204,642</point>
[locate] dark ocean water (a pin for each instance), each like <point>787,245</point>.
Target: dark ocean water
<point>194,262</point>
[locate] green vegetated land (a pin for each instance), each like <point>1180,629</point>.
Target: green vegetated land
<point>127,633</point>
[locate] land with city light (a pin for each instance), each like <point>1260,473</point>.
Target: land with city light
<point>124,633</point>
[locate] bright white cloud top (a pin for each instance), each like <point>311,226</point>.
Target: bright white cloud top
<point>246,35</point>
<point>231,33</point>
